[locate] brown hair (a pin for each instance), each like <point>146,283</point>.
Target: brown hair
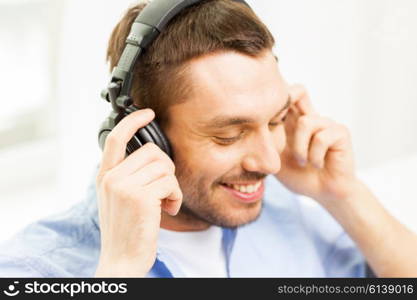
<point>204,28</point>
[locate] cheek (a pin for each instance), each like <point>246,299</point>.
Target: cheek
<point>201,157</point>
<point>220,160</point>
<point>211,161</point>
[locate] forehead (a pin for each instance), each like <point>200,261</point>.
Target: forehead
<point>232,83</point>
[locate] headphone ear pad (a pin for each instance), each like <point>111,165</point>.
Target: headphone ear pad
<point>150,133</point>
<point>160,139</point>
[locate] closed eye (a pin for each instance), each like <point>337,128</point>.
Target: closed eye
<point>228,140</point>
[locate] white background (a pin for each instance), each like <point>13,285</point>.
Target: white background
<point>357,58</point>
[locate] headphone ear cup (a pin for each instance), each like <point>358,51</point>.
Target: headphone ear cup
<point>149,133</point>
<point>134,144</point>
<point>102,135</point>
<point>145,136</point>
<point>159,138</point>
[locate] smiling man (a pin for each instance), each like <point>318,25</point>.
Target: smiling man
<point>246,145</point>
<point>238,128</point>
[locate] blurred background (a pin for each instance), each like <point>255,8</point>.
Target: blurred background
<point>357,59</point>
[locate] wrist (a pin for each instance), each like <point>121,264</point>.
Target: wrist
<point>123,268</point>
<point>119,270</point>
<point>354,193</point>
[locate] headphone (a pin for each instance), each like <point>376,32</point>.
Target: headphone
<point>149,23</point>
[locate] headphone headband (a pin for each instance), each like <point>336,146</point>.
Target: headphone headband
<point>150,22</point>
<point>158,13</point>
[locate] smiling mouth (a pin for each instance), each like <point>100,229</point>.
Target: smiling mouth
<point>245,193</point>
<point>244,188</point>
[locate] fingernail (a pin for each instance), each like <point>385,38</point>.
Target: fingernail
<point>302,162</point>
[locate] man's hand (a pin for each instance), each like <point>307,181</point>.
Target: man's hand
<point>132,192</point>
<point>318,162</point>
<point>318,158</point>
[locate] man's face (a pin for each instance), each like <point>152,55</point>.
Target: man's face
<point>228,136</point>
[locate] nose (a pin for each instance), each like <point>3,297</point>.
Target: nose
<point>264,155</point>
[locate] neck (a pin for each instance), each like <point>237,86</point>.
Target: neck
<point>183,222</point>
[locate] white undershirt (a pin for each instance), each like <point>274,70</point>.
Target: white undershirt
<point>197,253</point>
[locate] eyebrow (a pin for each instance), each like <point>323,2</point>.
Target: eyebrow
<point>224,121</point>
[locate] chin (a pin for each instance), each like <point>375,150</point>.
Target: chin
<point>220,209</point>
<point>236,217</point>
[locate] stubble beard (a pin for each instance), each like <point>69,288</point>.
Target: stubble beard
<point>199,207</point>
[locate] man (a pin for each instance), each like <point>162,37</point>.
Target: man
<point>246,145</point>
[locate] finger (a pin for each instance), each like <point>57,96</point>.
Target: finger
<point>149,173</point>
<point>291,119</point>
<point>116,142</point>
<point>321,143</point>
<point>306,127</point>
<point>301,100</point>
<point>290,125</point>
<point>167,189</point>
<point>139,159</point>
<point>171,207</point>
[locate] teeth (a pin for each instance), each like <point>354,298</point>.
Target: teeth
<point>246,188</point>
<point>241,188</point>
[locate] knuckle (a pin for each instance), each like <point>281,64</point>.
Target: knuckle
<point>105,180</point>
<point>149,147</point>
<point>154,150</point>
<point>159,154</point>
<point>162,190</point>
<point>150,150</point>
<point>109,186</point>
<point>162,168</point>
<point>168,161</point>
<point>162,154</point>
<point>170,165</point>
<point>320,139</point>
<point>159,169</point>
<point>171,183</point>
<point>118,190</point>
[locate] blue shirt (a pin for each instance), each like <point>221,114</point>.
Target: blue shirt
<point>291,238</point>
